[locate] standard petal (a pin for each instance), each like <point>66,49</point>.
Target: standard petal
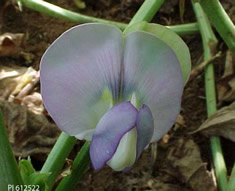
<point>75,71</point>
<point>119,120</point>
<point>152,71</point>
<point>171,39</point>
<point>145,128</point>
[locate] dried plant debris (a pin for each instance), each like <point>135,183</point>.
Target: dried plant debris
<point>29,87</point>
<point>29,133</point>
<point>180,169</point>
<point>34,103</point>
<point>9,77</point>
<point>13,79</point>
<point>155,185</point>
<point>226,85</point>
<point>185,164</point>
<point>80,4</point>
<point>139,179</point>
<point>222,123</point>
<point>180,122</point>
<point>11,44</point>
<point>198,69</point>
<point>203,180</point>
<point>24,80</point>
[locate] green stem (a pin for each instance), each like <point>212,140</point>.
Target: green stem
<point>209,44</point>
<point>55,11</point>
<point>82,159</point>
<point>9,173</point>
<point>80,165</point>
<point>185,29</point>
<point>57,156</point>
<point>220,167</point>
<point>221,21</point>
<point>231,183</point>
<point>147,11</point>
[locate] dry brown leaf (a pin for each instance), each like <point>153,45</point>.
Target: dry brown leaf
<point>28,133</point>
<point>13,79</point>
<point>202,180</point>
<point>11,44</point>
<point>29,87</point>
<point>156,185</point>
<point>10,72</point>
<point>186,164</point>
<point>185,158</point>
<point>228,94</point>
<point>229,65</point>
<point>180,122</point>
<point>34,103</point>
<point>222,123</point>
<point>24,80</point>
<point>9,76</point>
<point>226,85</point>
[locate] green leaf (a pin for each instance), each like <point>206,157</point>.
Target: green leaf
<point>171,39</point>
<point>9,174</point>
<point>31,177</point>
<point>26,169</point>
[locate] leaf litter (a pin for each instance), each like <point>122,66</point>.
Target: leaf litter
<point>222,123</point>
<point>29,130</point>
<point>226,85</point>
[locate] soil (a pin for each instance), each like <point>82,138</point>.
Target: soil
<point>149,173</point>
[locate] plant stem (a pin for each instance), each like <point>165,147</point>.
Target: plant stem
<point>221,21</point>
<point>185,29</point>
<point>9,173</point>
<point>57,156</point>
<point>231,183</point>
<point>80,164</point>
<point>209,44</point>
<point>55,11</point>
<point>220,167</point>
<point>147,11</point>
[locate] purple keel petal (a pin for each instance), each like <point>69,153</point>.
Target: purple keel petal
<point>152,71</point>
<point>111,128</point>
<point>75,70</point>
<point>145,128</point>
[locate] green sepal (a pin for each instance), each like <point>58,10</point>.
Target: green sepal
<point>171,39</point>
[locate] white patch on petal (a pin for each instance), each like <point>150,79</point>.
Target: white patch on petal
<point>134,100</point>
<point>125,154</point>
<point>85,135</point>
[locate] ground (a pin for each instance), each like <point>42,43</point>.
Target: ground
<point>183,159</point>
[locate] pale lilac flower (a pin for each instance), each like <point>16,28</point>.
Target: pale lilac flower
<point>119,92</point>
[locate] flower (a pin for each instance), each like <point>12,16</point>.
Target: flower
<point>119,92</point>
